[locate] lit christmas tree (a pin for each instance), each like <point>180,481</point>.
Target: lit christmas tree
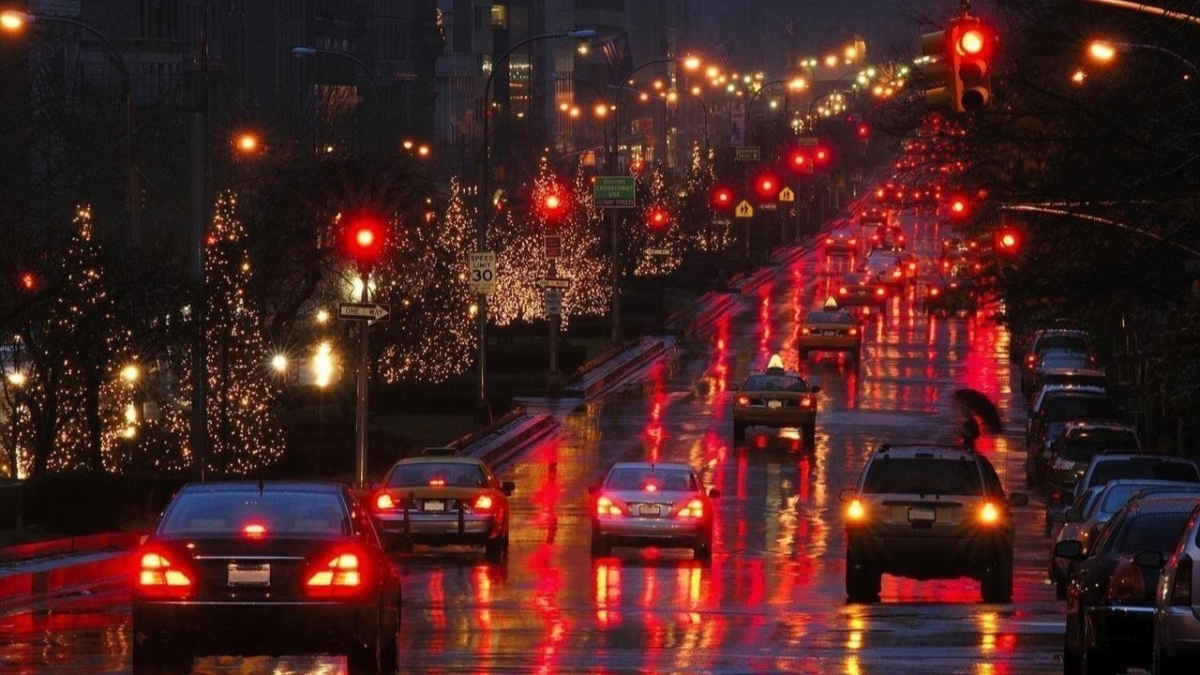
<point>707,234</point>
<point>657,239</point>
<point>243,433</point>
<point>431,333</point>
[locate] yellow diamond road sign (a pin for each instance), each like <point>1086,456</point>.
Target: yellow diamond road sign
<point>786,195</point>
<point>744,210</point>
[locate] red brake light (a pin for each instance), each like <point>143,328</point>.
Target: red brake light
<point>806,402</point>
<point>853,331</point>
<point>743,400</point>
<point>157,576</point>
<point>384,502</point>
<point>805,331</point>
<point>694,509</point>
<point>1181,585</point>
<point>339,577</point>
<point>484,503</point>
<point>651,487</point>
<point>843,291</point>
<point>1126,583</point>
<point>255,530</point>
<point>437,482</point>
<point>880,292</point>
<point>606,507</point>
<point>829,240</point>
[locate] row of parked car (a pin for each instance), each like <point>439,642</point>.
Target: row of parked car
<point>1125,522</point>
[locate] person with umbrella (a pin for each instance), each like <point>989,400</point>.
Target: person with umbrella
<point>974,403</point>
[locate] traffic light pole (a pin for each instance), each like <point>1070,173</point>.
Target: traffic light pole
<point>361,404</point>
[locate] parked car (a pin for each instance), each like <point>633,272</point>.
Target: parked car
<point>1110,599</point>
<point>1175,645</point>
<point>929,512</point>
<point>1051,338</point>
<point>1107,467</point>
<point>652,504</point>
<point>1063,457</point>
<point>264,567</point>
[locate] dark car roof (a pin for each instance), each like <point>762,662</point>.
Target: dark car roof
<point>264,486</point>
<point>1163,505</point>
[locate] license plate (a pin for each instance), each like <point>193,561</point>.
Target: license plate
<point>831,333</point>
<point>435,505</point>
<point>648,510</point>
<point>249,575</point>
<point>773,405</point>
<point>861,293</point>
<point>921,515</point>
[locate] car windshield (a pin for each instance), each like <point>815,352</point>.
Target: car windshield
<point>671,480</point>
<point>437,474</point>
<point>775,383</point>
<point>1144,467</point>
<point>829,317</point>
<point>1082,449</point>
<point>1151,532</point>
<point>921,475</point>
<point>278,512</point>
<point>1063,408</point>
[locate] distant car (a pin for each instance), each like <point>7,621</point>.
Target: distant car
<point>929,512</point>
<point>1051,338</point>
<point>1112,466</point>
<point>1066,403</point>
<point>652,504</point>
<point>443,501</point>
<point>775,398</point>
<point>264,568</point>
<point>1063,460</point>
<point>1110,599</point>
<point>889,238</point>
<point>1070,525</point>
<point>1175,646</point>
<point>1053,376</point>
<point>891,267</point>
<point>832,330</point>
<point>860,289</point>
<point>841,242</point>
<point>951,298</point>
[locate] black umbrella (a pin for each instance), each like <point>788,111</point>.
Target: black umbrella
<point>978,404</point>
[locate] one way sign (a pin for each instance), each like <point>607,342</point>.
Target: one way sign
<point>363,311</point>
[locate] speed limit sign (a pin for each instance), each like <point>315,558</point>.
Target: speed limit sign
<point>482,272</point>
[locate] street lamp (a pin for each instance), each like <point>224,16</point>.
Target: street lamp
<point>302,52</point>
<point>13,21</point>
<point>483,411</point>
<point>1106,51</point>
<point>794,83</point>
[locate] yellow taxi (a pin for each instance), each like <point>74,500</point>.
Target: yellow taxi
<point>829,329</point>
<point>776,398</point>
<point>443,501</point>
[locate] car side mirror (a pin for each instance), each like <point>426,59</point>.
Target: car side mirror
<point>1018,499</point>
<point>1070,549</point>
<point>507,487</point>
<point>593,489</point>
<point>1150,560</point>
<point>714,493</point>
<point>847,494</point>
<point>815,389</point>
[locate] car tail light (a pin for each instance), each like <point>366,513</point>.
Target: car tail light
<point>157,576</point>
<point>1126,583</point>
<point>897,273</point>
<point>805,331</point>
<point>341,576</point>
<point>483,503</point>
<point>989,514</point>
<point>843,291</point>
<point>743,400</point>
<point>384,502</point>
<point>254,531</point>
<point>694,509</point>
<point>880,292</point>
<point>606,507</point>
<point>912,267</point>
<point>853,242</point>
<point>934,292</point>
<point>438,482</point>
<point>1030,361</point>
<point>651,487</point>
<point>806,402</point>
<point>853,331</point>
<point>1181,585</point>
<point>855,511</point>
<point>828,240</point>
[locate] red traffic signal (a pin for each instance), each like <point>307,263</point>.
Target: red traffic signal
<point>767,186</point>
<point>658,219</point>
<point>970,52</point>
<point>863,130</point>
<point>553,207</point>
<point>28,281</point>
<point>364,237</point>
<point>799,161</point>
<point>1008,240</point>
<point>958,208</point>
<point>722,198</point>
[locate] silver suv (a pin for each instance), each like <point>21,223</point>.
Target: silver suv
<point>1177,603</point>
<point>929,512</point>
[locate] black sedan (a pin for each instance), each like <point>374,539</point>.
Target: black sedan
<point>264,568</point>
<point>1110,599</point>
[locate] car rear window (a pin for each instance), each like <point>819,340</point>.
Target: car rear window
<point>1062,408</point>
<point>1071,342</point>
<point>1143,467</point>
<point>922,475</point>
<point>419,474</point>
<point>1075,379</point>
<point>278,512</point>
<point>1151,532</point>
<point>829,317</point>
<point>775,383</point>
<point>1081,449</point>
<point>662,479</point>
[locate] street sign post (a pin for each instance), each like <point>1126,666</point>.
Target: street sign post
<point>363,311</point>
<point>658,251</point>
<point>553,302</point>
<point>786,195</point>
<point>615,192</point>
<point>744,210</point>
<point>482,272</point>
<point>553,283</point>
<point>553,246</point>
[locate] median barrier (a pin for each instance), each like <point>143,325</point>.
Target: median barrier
<point>598,379</point>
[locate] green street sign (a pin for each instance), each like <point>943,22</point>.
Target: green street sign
<point>615,192</point>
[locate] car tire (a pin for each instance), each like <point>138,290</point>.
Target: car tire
<point>1071,662</point>
<point>600,546</point>
<point>1093,661</point>
<point>862,582</point>
<point>151,657</point>
<point>703,551</point>
<point>808,435</point>
<point>371,658</point>
<point>803,354</point>
<point>997,582</point>
<point>494,549</point>
<point>739,432</point>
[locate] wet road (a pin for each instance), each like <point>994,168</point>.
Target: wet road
<point>772,599</point>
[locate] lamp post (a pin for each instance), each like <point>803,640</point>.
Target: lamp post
<point>691,63</point>
<point>11,20</point>
<point>302,52</point>
<point>794,83</point>
<point>1105,51</point>
<point>483,411</point>
<point>599,97</point>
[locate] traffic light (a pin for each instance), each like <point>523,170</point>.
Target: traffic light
<point>958,208</point>
<point>658,218</point>
<point>1008,240</point>
<point>971,50</point>
<point>863,131</point>
<point>722,198</point>
<point>553,207</point>
<point>364,236</point>
<point>767,186</point>
<point>821,157</point>
<point>935,66</point>
<point>800,161</point>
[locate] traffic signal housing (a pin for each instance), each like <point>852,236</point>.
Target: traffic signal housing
<point>971,52</point>
<point>767,186</point>
<point>722,198</point>
<point>935,66</point>
<point>958,208</point>
<point>658,218</point>
<point>364,237</point>
<point>800,162</point>
<point>1008,241</point>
